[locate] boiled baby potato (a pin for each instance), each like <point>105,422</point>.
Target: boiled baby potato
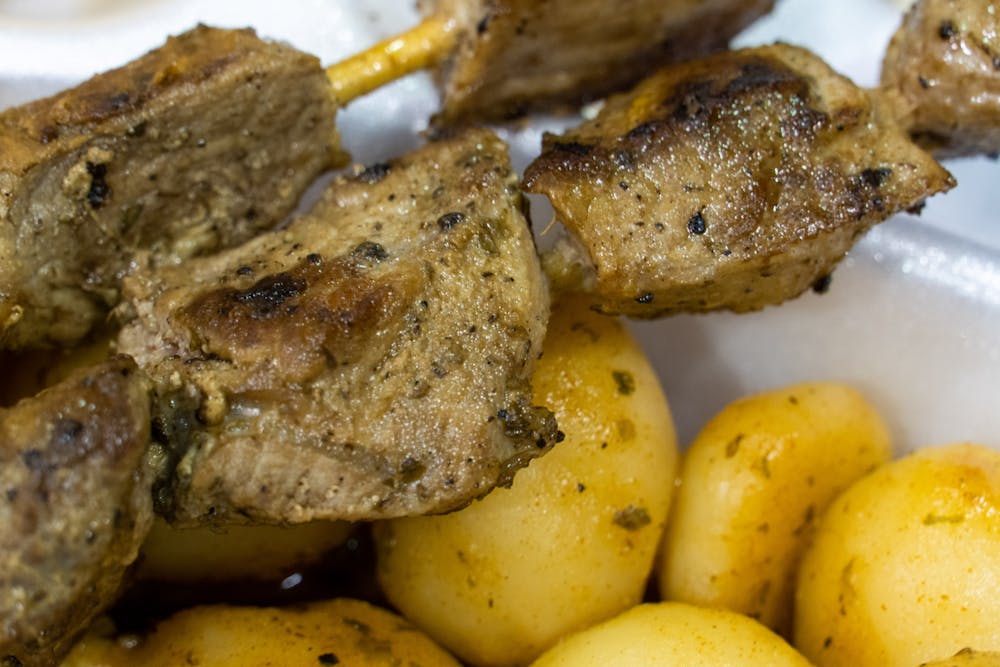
<point>236,552</point>
<point>341,632</point>
<point>572,541</point>
<point>752,484</point>
<point>25,373</point>
<point>672,634</point>
<point>968,658</point>
<point>905,567</point>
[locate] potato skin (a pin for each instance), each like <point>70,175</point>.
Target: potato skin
<point>572,542</point>
<point>341,632</point>
<point>905,567</point>
<point>262,553</point>
<point>968,658</point>
<point>753,483</point>
<point>27,372</point>
<point>672,633</point>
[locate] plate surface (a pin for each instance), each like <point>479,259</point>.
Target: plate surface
<point>912,317</point>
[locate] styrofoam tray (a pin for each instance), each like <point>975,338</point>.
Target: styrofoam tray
<point>912,317</point>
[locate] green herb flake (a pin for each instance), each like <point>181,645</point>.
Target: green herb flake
<point>625,382</point>
<point>632,518</point>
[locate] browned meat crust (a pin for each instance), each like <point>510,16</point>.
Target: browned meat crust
<point>76,504</point>
<point>195,146</point>
<point>943,70</point>
<point>518,55</point>
<point>733,182</point>
<point>371,360</point>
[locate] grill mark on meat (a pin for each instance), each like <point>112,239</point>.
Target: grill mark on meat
<point>701,98</point>
<point>303,317</point>
<point>698,98</point>
<point>106,96</point>
<point>264,297</point>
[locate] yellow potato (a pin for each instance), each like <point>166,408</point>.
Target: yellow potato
<point>25,373</point>
<point>672,634</point>
<point>236,552</point>
<point>337,632</point>
<point>967,658</point>
<point>753,483</point>
<point>905,567</point>
<point>572,542</point>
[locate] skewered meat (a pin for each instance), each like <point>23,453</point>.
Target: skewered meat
<point>195,146</point>
<point>517,55</point>
<point>943,66</point>
<point>371,360</point>
<point>732,182</point>
<point>77,503</point>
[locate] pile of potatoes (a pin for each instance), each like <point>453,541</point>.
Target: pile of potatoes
<point>786,536</point>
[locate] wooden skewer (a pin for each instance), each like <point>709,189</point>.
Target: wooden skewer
<point>418,48</point>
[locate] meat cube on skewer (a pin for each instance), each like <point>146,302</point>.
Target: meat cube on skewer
<point>519,55</point>
<point>942,68</point>
<point>732,182</point>
<point>500,58</point>
<point>195,146</point>
<point>213,137</point>
<point>371,360</point>
<point>78,503</point>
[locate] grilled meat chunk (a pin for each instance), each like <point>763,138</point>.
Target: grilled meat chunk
<point>518,55</point>
<point>371,360</point>
<point>197,145</point>
<point>943,70</point>
<point>76,475</point>
<point>732,182</point>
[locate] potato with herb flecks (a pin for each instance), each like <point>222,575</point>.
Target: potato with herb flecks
<point>344,632</point>
<point>572,542</point>
<point>752,484</point>
<point>905,567</point>
<point>669,634</point>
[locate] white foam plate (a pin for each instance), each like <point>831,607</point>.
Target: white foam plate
<point>912,317</point>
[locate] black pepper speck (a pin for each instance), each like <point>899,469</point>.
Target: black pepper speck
<point>374,173</point>
<point>697,225</point>
<point>572,147</point>
<point>483,25</point>
<point>371,251</point>
<point>876,178</point>
<point>450,220</point>
<point>99,190</point>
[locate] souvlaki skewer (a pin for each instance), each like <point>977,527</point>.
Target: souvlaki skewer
<point>213,137</point>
